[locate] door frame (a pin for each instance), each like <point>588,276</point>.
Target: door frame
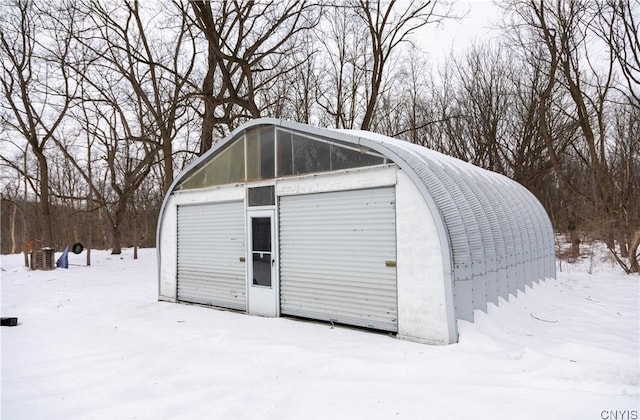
<point>258,297</point>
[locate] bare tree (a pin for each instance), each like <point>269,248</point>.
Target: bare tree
<point>625,173</point>
<point>245,40</point>
<point>389,25</point>
<point>306,86</point>
<point>125,162</point>
<point>35,86</point>
<point>618,25</point>
<point>481,102</point>
<point>563,29</point>
<point>342,76</point>
<point>157,65</point>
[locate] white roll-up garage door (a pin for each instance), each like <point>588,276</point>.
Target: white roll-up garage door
<point>337,257</point>
<point>210,248</point>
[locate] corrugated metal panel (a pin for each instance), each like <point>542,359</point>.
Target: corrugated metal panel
<point>437,186</point>
<point>545,236</point>
<point>210,245</point>
<point>337,257</point>
<point>531,223</point>
<point>528,235</point>
<point>495,251</point>
<point>487,217</point>
<point>516,270</point>
<point>485,283</point>
<point>492,188</point>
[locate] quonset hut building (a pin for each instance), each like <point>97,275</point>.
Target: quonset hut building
<point>352,227</point>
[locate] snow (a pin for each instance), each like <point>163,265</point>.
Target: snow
<point>95,343</point>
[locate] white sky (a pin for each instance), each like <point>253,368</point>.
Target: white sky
<point>458,34</point>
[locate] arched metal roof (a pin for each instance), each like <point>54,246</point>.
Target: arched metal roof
<point>496,237</point>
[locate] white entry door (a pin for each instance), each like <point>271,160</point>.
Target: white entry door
<point>262,282</point>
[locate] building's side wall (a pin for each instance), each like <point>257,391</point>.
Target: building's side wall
<point>168,240</point>
<point>425,299</point>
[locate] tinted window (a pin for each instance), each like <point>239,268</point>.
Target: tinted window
<point>267,161</point>
<point>253,157</point>
<point>260,154</point>
<point>285,154</point>
<point>225,168</point>
<point>343,158</point>
<point>262,196</point>
<point>310,155</point>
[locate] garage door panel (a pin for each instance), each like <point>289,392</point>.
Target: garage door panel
<point>333,253</point>
<point>333,275</point>
<point>338,298</point>
<point>210,244</point>
<point>343,316</point>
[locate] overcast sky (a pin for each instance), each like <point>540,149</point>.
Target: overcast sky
<point>457,35</point>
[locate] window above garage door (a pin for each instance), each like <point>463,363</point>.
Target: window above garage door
<point>268,152</point>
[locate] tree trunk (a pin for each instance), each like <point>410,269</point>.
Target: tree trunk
<point>45,206</point>
<point>574,238</point>
<point>116,240</point>
<point>103,228</point>
<point>575,243</point>
<point>135,237</point>
<point>167,159</point>
<point>119,216</point>
<point>25,207</point>
<point>208,119</point>
<point>623,243</point>
<point>376,81</point>
<point>634,264</point>
<point>90,235</point>
<point>12,223</point>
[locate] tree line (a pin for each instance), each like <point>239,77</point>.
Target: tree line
<point>104,102</point>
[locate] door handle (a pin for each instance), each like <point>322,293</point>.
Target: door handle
<point>273,261</point>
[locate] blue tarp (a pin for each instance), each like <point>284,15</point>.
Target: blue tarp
<point>63,261</point>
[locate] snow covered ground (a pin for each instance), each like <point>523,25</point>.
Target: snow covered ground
<point>94,343</point>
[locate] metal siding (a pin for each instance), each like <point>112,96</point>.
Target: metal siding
<point>533,233</point>
<point>333,252</point>
<point>438,186</point>
<point>210,244</point>
<point>485,282</point>
<point>545,237</point>
<point>496,279</point>
<point>515,219</point>
<point>507,253</point>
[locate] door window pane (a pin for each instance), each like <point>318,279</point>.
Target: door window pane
<point>262,269</point>
<point>261,251</point>
<point>261,234</point>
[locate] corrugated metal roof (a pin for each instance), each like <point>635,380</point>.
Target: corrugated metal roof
<point>491,221</point>
<point>495,234</point>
